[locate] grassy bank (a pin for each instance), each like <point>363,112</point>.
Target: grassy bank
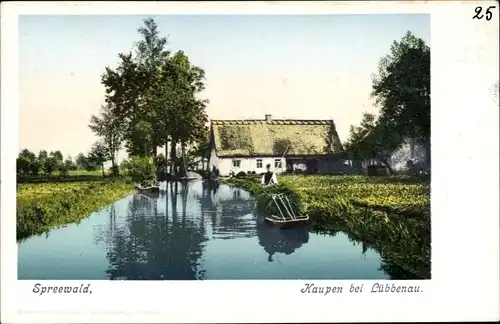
<point>43,206</point>
<point>391,215</point>
<point>71,176</point>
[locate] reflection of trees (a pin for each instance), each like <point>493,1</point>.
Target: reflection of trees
<point>276,240</point>
<point>231,212</point>
<point>104,235</point>
<point>152,247</point>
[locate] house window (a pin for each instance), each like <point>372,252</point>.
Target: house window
<point>236,163</point>
<point>277,163</point>
<point>259,164</point>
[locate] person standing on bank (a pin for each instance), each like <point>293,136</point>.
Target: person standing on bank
<point>269,177</point>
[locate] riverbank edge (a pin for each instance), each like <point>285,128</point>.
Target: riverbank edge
<point>58,210</point>
<point>377,228</point>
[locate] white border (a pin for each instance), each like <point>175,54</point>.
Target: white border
<point>464,193</point>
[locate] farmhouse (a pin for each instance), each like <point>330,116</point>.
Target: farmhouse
<point>288,145</point>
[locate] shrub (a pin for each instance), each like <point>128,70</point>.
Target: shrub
<point>241,174</point>
<point>63,170</point>
<point>141,169</point>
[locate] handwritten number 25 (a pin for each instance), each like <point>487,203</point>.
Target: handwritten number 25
<point>488,14</point>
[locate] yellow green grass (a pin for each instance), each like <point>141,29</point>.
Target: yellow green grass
<point>43,206</point>
<point>389,214</point>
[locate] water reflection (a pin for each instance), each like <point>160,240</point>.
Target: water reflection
<point>275,240</point>
<point>193,231</point>
<point>157,244</point>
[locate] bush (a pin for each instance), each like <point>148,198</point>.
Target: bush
<point>141,169</point>
<point>252,172</point>
<point>63,170</point>
<point>241,174</point>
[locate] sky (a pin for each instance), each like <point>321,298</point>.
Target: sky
<point>290,66</point>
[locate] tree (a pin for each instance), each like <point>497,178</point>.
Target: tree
<point>70,165</point>
<point>24,161</point>
<point>35,167</point>
<point>188,118</point>
<point>154,94</point>
<point>402,91</point>
<point>99,154</point>
<point>81,162</point>
<point>22,165</point>
<point>372,139</point>
<point>402,88</point>
<point>42,155</point>
<point>30,156</point>
<point>111,129</point>
<point>49,165</point>
<point>57,155</point>
<point>151,54</point>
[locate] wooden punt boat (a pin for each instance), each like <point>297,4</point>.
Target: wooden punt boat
<point>148,189</point>
<point>288,218</point>
<point>280,222</point>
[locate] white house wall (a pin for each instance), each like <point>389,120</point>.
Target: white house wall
<point>225,165</point>
<point>247,165</point>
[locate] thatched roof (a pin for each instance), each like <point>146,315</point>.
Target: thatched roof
<point>271,137</point>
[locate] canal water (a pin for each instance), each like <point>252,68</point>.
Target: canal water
<point>192,231</point>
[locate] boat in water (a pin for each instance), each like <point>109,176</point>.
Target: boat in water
<point>151,189</point>
<point>189,176</point>
<point>288,217</point>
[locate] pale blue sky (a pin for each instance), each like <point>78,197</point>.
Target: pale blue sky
<point>292,66</point>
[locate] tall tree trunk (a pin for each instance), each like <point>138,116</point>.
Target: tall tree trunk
<point>173,146</point>
<point>113,165</point>
<point>155,151</point>
<point>102,167</point>
<point>183,162</point>
<point>166,156</point>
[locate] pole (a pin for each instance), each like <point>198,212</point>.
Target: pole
<point>281,161</point>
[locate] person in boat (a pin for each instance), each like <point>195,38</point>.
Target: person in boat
<point>215,173</point>
<point>269,177</point>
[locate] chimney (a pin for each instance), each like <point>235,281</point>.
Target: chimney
<point>269,118</point>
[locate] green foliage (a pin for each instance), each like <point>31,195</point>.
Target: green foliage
<point>153,93</point>
<point>111,130</point>
<point>57,155</point>
<point>35,167</point>
<point>70,165</point>
<point>372,139</point>
<point>402,87</point>
<point>391,214</point>
<point>22,165</point>
<point>27,154</point>
<point>41,207</point>
<point>42,156</point>
<point>84,163</point>
<point>141,170</point>
<point>63,170</point>
<point>402,90</point>
<point>50,165</point>
<point>99,154</point>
